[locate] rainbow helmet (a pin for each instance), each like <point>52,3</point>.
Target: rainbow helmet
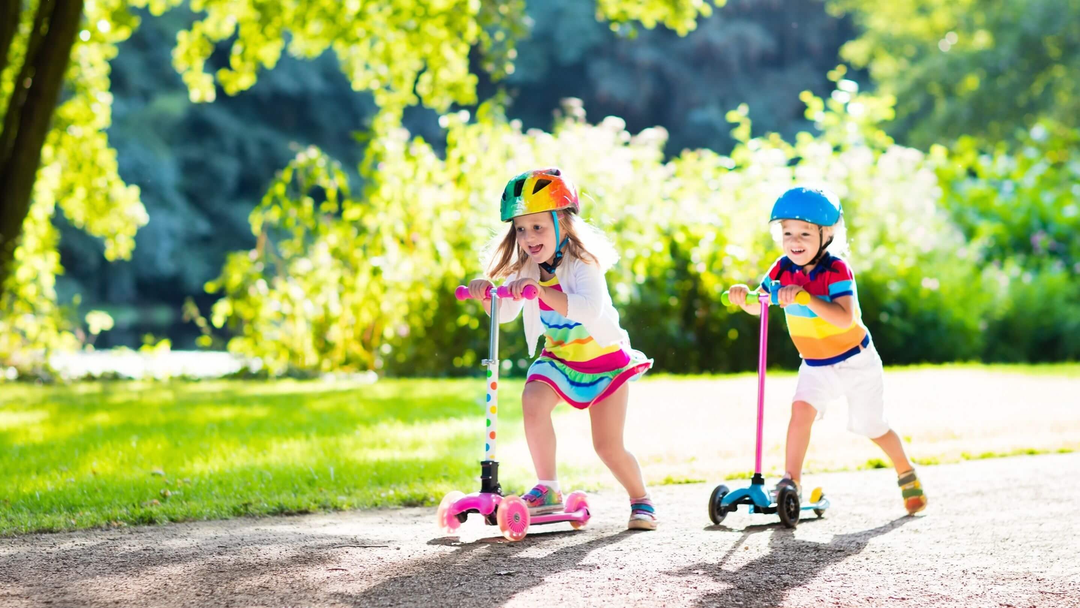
<point>537,191</point>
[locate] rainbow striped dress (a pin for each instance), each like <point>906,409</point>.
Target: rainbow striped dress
<point>578,369</point>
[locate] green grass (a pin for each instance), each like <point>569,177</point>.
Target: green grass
<point>125,453</point>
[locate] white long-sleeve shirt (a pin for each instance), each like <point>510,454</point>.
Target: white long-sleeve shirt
<point>587,302</point>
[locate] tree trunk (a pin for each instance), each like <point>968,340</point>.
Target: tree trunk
<point>9,22</point>
<point>30,111</point>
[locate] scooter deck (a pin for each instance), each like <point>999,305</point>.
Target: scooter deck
<point>759,501</point>
<point>485,505</point>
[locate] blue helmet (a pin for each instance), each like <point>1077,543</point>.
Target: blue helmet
<point>812,205</point>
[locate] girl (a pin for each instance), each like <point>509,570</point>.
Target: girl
<point>586,360</point>
<point>839,359</point>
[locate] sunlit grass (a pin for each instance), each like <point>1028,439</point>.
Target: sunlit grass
<point>100,454</point>
<point>126,453</point>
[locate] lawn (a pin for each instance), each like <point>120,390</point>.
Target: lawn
<point>108,454</point>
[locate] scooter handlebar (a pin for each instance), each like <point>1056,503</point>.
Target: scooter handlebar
<point>802,298</point>
<point>529,293</point>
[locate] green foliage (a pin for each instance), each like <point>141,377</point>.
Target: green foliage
<point>1017,206</point>
<point>403,51</point>
<point>365,283</point>
<point>678,15</point>
<point>970,67</point>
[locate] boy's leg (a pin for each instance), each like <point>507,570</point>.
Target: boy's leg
<point>798,438</point>
<point>864,381</point>
<point>892,446</point>
<point>816,388</point>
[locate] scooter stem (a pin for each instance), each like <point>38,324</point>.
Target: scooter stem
<point>763,343</point>
<point>491,406</point>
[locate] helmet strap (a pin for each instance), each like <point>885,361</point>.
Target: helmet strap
<point>823,247</point>
<point>550,268</point>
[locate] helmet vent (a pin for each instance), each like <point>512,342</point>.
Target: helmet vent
<point>518,186</point>
<point>540,185</point>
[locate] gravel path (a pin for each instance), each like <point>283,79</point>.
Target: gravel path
<point>999,533</point>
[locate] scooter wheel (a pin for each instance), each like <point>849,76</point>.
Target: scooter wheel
<point>575,501</point>
<point>787,505</point>
<point>513,518</point>
<point>717,512</point>
<point>446,523</point>
<point>815,497</point>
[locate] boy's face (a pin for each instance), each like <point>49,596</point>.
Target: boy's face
<point>801,240</point>
<point>536,235</point>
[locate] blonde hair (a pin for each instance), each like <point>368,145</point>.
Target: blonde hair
<point>838,232</point>
<point>502,256</point>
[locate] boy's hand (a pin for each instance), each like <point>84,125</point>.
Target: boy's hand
<point>786,295</point>
<point>737,294</point>
<point>478,288</point>
<point>518,286</point>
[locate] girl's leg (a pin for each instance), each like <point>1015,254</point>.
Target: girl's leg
<point>608,419</point>
<point>894,449</point>
<point>537,402</point>
<point>798,437</point>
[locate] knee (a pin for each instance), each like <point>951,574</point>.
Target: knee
<point>535,404</point>
<point>802,413</point>
<point>608,450</point>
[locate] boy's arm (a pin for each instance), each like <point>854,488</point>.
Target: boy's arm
<point>840,312</point>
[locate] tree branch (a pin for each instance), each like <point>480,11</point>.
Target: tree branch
<point>29,114</point>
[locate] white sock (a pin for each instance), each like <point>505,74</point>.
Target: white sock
<point>551,483</point>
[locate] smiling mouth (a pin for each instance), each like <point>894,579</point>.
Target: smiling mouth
<point>798,251</point>
<point>535,250</point>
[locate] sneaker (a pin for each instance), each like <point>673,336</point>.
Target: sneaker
<point>914,499</point>
<point>642,515</point>
<point>786,482</point>
<point>543,500</point>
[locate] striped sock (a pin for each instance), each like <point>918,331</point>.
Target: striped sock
<point>642,514</point>
<point>911,487</point>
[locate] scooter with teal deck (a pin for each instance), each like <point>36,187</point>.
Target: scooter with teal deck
<point>786,502</point>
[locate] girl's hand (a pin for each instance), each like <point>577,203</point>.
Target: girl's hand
<point>518,286</point>
<point>478,288</point>
<point>737,294</point>
<point>786,295</point>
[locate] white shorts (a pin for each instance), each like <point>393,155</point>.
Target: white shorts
<point>861,379</point>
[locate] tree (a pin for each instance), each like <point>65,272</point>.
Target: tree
<point>30,102</point>
<point>404,51</point>
<point>970,67</point>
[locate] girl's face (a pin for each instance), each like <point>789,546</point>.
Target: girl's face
<point>536,235</point>
<point>801,240</point>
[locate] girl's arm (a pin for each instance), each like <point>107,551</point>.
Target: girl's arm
<point>552,297</point>
<point>586,304</point>
<point>509,308</point>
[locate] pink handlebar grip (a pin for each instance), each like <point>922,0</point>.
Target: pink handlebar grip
<point>462,293</point>
<point>530,293</point>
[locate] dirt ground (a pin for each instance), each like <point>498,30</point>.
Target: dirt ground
<point>999,532</point>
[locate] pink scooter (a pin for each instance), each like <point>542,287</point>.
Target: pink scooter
<point>510,513</point>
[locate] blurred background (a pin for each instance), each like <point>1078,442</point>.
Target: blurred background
<point>302,184</point>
